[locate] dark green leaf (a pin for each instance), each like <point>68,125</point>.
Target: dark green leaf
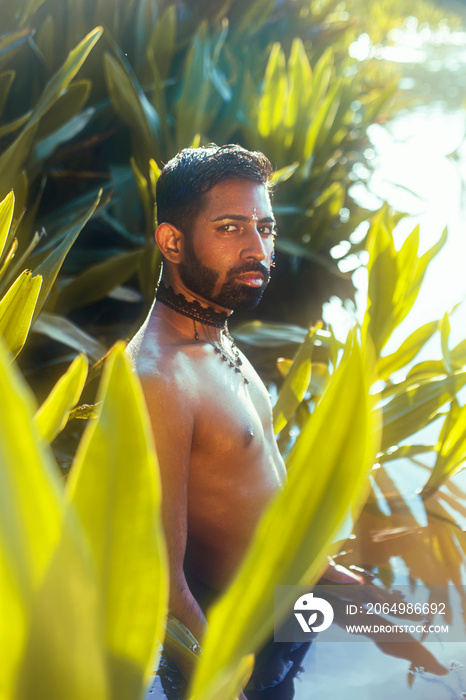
<point>50,267</point>
<point>97,281</point>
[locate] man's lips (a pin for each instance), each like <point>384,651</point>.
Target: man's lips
<point>252,279</point>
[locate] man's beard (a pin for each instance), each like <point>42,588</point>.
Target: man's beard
<point>234,295</point>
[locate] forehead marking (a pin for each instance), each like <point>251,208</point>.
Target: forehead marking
<point>254,216</point>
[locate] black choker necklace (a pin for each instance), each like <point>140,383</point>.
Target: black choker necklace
<point>193,309</point>
<point>206,316</point>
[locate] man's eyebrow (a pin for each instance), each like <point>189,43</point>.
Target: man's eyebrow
<point>240,217</point>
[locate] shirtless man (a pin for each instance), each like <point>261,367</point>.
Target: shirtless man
<point>210,412</point>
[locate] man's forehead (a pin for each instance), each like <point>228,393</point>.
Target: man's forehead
<point>244,197</point>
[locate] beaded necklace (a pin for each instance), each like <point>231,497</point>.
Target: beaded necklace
<point>206,316</point>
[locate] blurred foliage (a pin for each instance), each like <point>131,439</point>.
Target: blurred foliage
<point>98,95</point>
<point>86,564</point>
<point>339,407</point>
<point>297,529</point>
<point>86,151</point>
<point>420,524</point>
<point>378,19</point>
<point>412,395</point>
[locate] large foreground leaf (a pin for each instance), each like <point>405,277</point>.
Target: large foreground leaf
<point>115,488</point>
<point>327,470</point>
<point>47,591</point>
<point>29,528</point>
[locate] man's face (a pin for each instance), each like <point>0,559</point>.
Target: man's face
<point>228,250</point>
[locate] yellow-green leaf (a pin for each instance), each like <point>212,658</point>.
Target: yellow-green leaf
<point>318,123</point>
<point>271,105</point>
<point>179,639</point>
<point>451,454</point>
<point>407,350</point>
<point>414,407</point>
<point>67,106</point>
<point>47,590</point>
<point>6,216</point>
<point>444,338</point>
<point>29,527</point>
<point>66,606</point>
<point>300,83</point>
<point>16,310</point>
<point>8,258</point>
<point>13,158</point>
<point>378,320</point>
<point>191,113</point>
<point>284,174</point>
<point>327,471</point>
<point>228,684</point>
<point>52,416</point>
<point>11,43</point>
<point>115,488</point>
<point>57,85</point>
<point>428,368</point>
<point>273,335</point>
<point>406,260</point>
<point>144,192</point>
<point>295,384</point>
<point>420,271</point>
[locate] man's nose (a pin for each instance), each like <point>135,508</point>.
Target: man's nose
<point>255,246</point>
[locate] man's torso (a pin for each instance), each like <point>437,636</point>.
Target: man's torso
<point>235,467</point>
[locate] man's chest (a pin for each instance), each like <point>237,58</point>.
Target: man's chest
<point>231,414</point>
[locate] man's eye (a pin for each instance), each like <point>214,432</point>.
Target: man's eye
<point>268,230</point>
<point>229,228</point>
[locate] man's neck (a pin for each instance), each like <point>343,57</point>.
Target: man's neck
<point>189,313</point>
<point>178,287</point>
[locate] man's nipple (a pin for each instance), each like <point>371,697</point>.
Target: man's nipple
<point>248,436</point>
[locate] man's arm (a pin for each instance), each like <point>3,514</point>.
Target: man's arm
<point>173,424</point>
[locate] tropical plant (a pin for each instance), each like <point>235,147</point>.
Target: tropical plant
<point>409,403</point>
<point>86,564</point>
<point>294,534</point>
<point>172,76</point>
<point>84,531</point>
<point>88,561</point>
<point>82,109</point>
<point>18,303</point>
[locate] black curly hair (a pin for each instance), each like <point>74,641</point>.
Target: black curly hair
<point>188,176</point>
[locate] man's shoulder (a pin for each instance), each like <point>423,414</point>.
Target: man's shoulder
<point>157,361</point>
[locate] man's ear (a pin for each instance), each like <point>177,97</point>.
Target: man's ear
<point>170,242</point>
